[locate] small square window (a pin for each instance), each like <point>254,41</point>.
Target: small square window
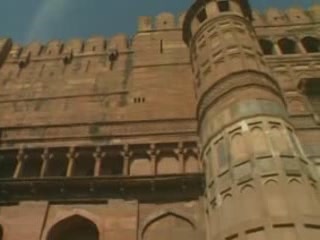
<point>223,6</point>
<point>202,15</point>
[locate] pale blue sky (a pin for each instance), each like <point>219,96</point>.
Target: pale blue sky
<point>26,20</point>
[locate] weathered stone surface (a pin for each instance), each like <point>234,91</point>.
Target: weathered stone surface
<point>202,126</point>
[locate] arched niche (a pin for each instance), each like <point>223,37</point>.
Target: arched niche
<point>239,151</point>
<point>288,46</point>
<point>275,199</point>
<point>169,226</point>
<point>8,163</point>
<point>228,211</point>
<point>191,163</point>
<point>222,154</point>
<point>84,164</point>
<point>260,144</point>
<point>302,197</point>
<point>279,141</point>
<point>168,163</point>
<point>74,227</point>
<point>311,44</point>
<point>251,206</point>
<point>140,165</point>
<point>267,46</point>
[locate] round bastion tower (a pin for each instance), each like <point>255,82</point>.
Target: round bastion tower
<point>259,184</point>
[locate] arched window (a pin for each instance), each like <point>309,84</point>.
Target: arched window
<point>266,46</point>
<point>311,44</point>
<point>75,227</point>
<point>288,46</point>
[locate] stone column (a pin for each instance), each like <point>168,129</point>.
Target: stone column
<point>72,155</point>
<point>152,153</point>
<point>179,152</point>
<point>21,157</point>
<point>277,48</point>
<point>98,156</point>
<point>45,156</point>
<point>300,46</point>
<point>126,154</point>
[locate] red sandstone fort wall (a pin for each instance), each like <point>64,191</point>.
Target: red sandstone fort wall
<point>130,93</point>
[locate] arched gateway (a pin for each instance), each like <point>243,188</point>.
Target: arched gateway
<point>74,228</point>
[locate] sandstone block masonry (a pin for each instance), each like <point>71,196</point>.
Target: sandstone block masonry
<point>200,126</point>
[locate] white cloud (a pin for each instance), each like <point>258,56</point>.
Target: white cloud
<point>47,17</point>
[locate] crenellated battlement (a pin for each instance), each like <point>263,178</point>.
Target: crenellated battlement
<point>163,21</point>
<point>273,16</point>
<point>120,42</point>
<point>59,49</point>
<point>202,125</point>
<point>290,16</point>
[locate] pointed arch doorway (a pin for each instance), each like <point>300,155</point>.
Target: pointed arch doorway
<point>74,228</point>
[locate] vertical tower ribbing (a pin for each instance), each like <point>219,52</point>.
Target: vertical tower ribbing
<point>259,185</point>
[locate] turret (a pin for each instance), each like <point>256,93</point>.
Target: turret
<point>258,180</point>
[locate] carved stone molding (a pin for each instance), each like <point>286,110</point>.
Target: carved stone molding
<point>229,83</point>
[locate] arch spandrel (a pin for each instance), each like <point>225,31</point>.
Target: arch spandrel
<point>174,224</point>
